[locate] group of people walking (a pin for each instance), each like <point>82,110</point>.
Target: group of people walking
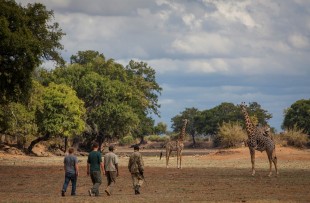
<point>96,167</point>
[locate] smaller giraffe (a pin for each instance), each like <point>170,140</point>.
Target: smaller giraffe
<point>259,140</point>
<point>176,146</point>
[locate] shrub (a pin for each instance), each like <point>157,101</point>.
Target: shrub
<point>156,138</point>
<point>230,135</point>
<point>127,140</point>
<point>295,137</point>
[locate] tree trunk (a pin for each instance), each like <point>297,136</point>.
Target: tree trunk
<point>194,141</point>
<point>100,141</point>
<point>39,139</point>
<point>66,144</point>
<point>142,141</point>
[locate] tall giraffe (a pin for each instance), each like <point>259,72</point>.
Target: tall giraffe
<point>257,140</point>
<point>176,146</point>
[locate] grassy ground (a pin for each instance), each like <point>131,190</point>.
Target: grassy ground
<point>213,176</point>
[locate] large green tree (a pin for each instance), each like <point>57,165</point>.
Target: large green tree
<point>18,119</point>
<point>62,114</point>
<point>142,78</point>
<point>298,115</point>
<point>118,100</point>
<point>208,121</point>
<point>27,38</point>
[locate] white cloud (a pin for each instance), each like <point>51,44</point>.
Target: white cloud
<point>191,21</point>
<point>226,50</point>
<point>202,43</point>
<point>232,11</point>
<point>208,66</point>
<point>299,41</point>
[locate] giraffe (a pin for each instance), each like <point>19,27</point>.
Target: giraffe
<point>259,140</point>
<point>176,146</point>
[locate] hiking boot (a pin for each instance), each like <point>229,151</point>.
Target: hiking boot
<point>90,193</point>
<point>107,192</point>
<point>63,193</point>
<point>137,187</point>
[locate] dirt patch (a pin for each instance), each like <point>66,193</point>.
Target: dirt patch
<point>216,176</point>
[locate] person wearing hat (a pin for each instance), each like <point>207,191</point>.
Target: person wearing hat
<point>111,169</point>
<point>136,168</point>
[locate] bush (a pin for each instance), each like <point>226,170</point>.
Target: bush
<point>230,135</point>
<point>295,137</point>
<point>156,138</point>
<point>127,140</point>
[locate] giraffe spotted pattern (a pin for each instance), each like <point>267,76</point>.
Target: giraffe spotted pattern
<point>260,140</point>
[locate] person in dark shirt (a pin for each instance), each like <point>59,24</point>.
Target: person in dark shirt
<point>94,169</point>
<point>71,172</point>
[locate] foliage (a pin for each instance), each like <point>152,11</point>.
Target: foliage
<point>230,135</point>
<point>295,137</point>
<point>156,138</point>
<point>18,119</point>
<point>20,122</point>
<point>160,128</point>
<point>210,119</point>
<point>192,115</point>
<point>257,114</point>
<point>298,115</point>
<point>127,140</point>
<point>63,112</point>
<point>118,100</point>
<point>27,37</point>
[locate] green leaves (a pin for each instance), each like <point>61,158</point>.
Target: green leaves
<point>26,39</point>
<point>298,115</point>
<point>63,112</point>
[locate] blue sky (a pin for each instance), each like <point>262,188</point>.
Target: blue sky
<point>205,52</point>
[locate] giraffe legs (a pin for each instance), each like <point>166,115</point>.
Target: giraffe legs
<point>252,152</point>
<point>272,158</point>
<point>178,156</point>
<point>168,152</point>
<point>275,160</point>
<point>270,163</point>
<point>180,159</point>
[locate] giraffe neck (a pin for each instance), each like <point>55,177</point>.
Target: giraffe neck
<point>182,134</point>
<point>248,123</point>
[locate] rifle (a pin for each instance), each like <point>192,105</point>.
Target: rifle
<point>142,175</point>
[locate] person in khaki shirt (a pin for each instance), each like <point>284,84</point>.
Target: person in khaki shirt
<point>136,168</point>
<point>111,169</point>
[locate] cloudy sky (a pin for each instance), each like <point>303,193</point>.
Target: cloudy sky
<point>205,52</point>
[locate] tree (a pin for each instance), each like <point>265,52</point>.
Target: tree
<point>18,120</point>
<point>210,120</point>
<point>191,115</point>
<point>27,38</point>
<point>142,78</point>
<point>160,128</point>
<point>84,57</point>
<point>298,115</point>
<point>258,115</point>
<point>62,114</point>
